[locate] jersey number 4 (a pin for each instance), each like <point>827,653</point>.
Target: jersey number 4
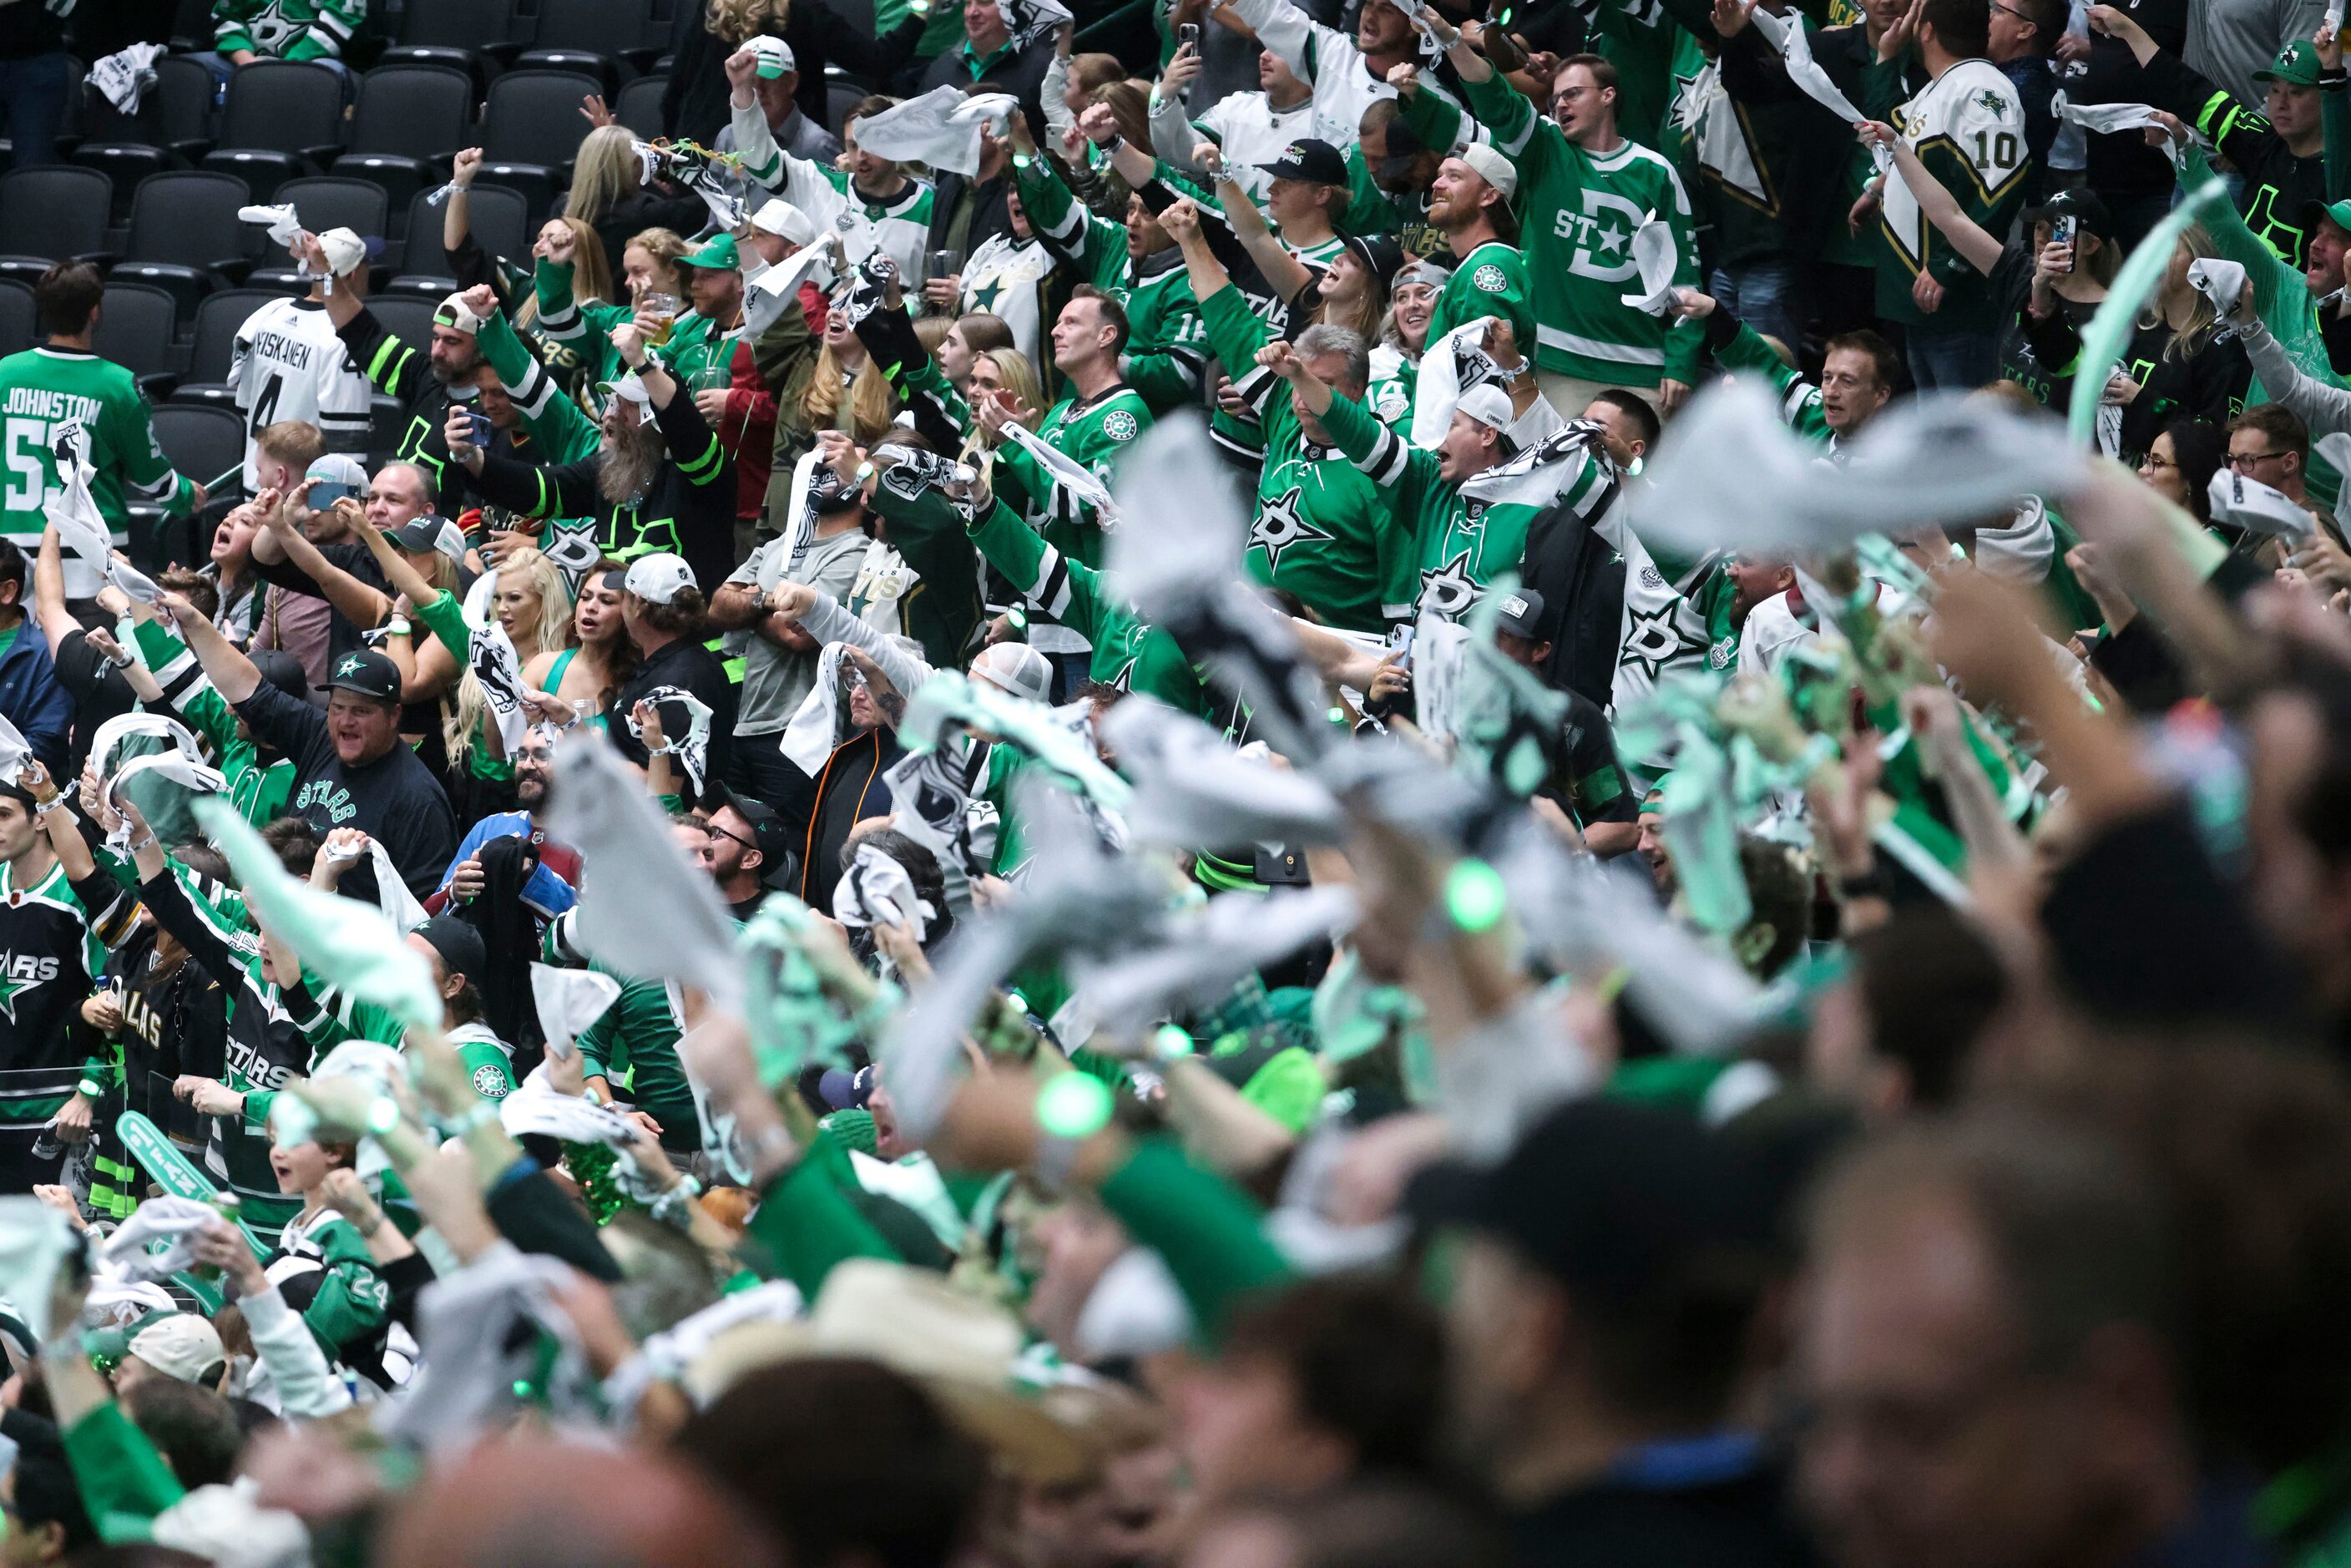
<point>265,405</point>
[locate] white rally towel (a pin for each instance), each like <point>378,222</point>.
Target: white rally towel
<point>123,78</point>
<point>815,728</point>
<point>285,226</point>
<point>1066,472</point>
<point>2251,504</point>
<point>1795,46</point>
<point>2109,118</point>
<point>943,128</point>
<point>1027,21</point>
<point>766,291</point>
<point>1655,258</point>
<point>81,528</point>
<point>645,911</point>
<point>692,749</point>
<point>2219,281</point>
<point>1451,366</point>
<point>569,1001</point>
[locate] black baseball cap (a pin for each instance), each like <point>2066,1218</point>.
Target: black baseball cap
<point>1316,162</point>
<point>282,670</point>
<point>365,672</point>
<point>2084,206</point>
<point>1522,615</point>
<point>462,949</point>
<point>1380,255</point>
<point>777,865</point>
<point>1612,1196</point>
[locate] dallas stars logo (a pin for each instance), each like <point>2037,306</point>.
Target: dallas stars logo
<point>352,665</point>
<point>11,988</point>
<point>1490,278</point>
<point>985,296</point>
<point>1651,643</point>
<point>1992,103</point>
<point>19,974</point>
<point>1449,589</point>
<point>1279,527</point>
<point>1119,425</point>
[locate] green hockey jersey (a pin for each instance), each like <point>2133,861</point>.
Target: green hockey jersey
<point>1489,281</point>
<point>44,388</point>
<point>1321,530</point>
<point>287,29</point>
<point>1581,211</point>
<point>1465,534</point>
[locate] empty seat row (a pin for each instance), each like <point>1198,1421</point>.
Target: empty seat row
<point>184,236</point>
<point>282,121</point>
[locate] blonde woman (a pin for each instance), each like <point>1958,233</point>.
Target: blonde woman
<point>531,604</point>
<point>848,391</point>
<point>609,193</point>
<point>581,320</point>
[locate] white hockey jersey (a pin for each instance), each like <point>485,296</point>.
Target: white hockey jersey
<point>288,364</point>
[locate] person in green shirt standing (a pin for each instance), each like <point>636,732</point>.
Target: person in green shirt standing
<point>64,382</point>
<point>1471,201</point>
<point>1468,504</point>
<point>1320,532</point>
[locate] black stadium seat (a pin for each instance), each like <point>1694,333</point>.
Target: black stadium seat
<point>173,125</point>
<point>49,215</point>
<point>204,443</point>
<point>184,234</point>
<point>324,202</point>
<point>606,37</point>
<point>217,320</point>
<point>19,328</point>
<point>138,328</point>
<point>471,35</point>
<point>638,106</point>
<point>501,225</point>
<point>531,129</point>
<point>282,119</point>
<point>409,121</point>
<point>407,317</point>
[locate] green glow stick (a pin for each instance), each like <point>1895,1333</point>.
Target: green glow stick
<point>1074,1105</point>
<point>2110,329</point>
<point>1473,896</point>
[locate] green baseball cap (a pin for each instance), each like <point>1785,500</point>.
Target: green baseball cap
<point>719,253</point>
<point>2336,213</point>
<point>2296,65</point>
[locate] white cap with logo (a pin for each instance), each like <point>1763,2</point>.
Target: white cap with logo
<point>1489,406</point>
<point>658,578</point>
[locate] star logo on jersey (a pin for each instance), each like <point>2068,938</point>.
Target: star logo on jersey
<point>1490,278</point>
<point>1650,642</point>
<point>20,973</point>
<point>1124,680</point>
<point>985,296</point>
<point>1612,240</point>
<point>352,665</point>
<point>1992,103</point>
<point>1448,590</point>
<point>489,1083</point>
<point>1119,425</point>
<point>1279,527</point>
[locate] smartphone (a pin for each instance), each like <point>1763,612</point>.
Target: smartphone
<point>323,496</point>
<point>1188,32</point>
<point>477,426</point>
<point>2061,232</point>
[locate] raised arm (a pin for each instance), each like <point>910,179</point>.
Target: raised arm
<point>456,219</point>
<point>231,673</point>
<point>361,603</point>
<point>1976,245</point>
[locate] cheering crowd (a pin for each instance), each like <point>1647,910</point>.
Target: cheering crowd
<point>1439,786</point>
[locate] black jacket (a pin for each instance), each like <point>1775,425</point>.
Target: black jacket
<point>1582,580</point>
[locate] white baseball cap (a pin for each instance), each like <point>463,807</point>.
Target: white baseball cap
<point>1014,668</point>
<point>1492,167</point>
<point>339,468</point>
<point>184,1346</point>
<point>1489,406</point>
<point>658,578</point>
<point>775,56</point>
<point>785,221</point>
<point>629,388</point>
<point>453,313</point>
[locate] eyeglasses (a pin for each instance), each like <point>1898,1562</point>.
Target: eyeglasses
<point>2247,459</point>
<point>2160,463</point>
<point>2012,11</point>
<point>719,832</point>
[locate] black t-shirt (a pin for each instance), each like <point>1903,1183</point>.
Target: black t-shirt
<point>394,799</point>
<point>690,667</point>
<point>343,636</point>
<point>99,691</point>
